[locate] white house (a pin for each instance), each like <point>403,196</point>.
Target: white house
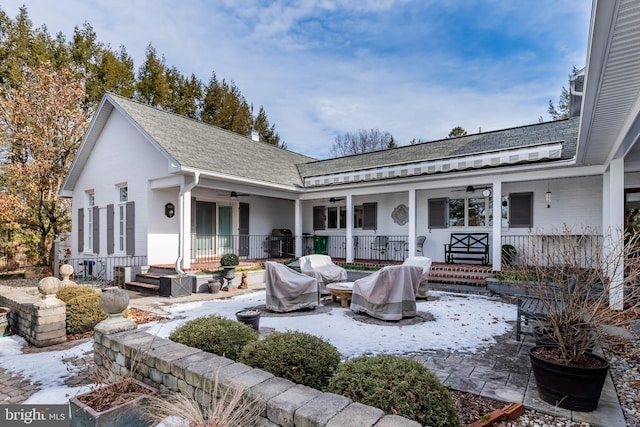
<point>176,191</point>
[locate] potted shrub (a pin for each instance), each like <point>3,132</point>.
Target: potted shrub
<point>228,262</point>
<point>569,273</point>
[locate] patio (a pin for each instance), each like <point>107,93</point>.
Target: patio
<point>467,340</point>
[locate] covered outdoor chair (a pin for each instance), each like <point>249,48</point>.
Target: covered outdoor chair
<point>389,293</point>
<point>424,263</point>
<point>288,290</point>
<point>420,244</point>
<point>322,268</point>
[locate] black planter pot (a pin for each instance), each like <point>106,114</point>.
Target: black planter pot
<point>249,317</point>
<point>569,387</point>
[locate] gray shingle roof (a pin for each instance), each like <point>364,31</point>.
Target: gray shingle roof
<point>565,131</point>
<point>194,144</point>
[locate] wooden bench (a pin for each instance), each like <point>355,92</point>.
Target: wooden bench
<point>467,247</point>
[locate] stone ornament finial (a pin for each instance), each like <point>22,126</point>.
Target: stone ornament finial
<point>49,286</point>
<point>114,301</point>
<point>66,270</point>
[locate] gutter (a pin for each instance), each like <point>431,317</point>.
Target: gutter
<point>183,190</point>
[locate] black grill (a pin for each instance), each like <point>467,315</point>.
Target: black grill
<point>282,243</point>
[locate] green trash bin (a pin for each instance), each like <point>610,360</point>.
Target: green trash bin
<point>320,245</point>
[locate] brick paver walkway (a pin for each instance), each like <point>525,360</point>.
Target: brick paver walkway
<point>16,389</point>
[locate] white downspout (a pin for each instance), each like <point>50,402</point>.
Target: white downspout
<point>183,190</point>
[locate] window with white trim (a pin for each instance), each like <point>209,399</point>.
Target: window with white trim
<point>88,221</point>
<point>121,229</point>
<point>461,212</point>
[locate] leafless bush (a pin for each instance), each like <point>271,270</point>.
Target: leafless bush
<point>208,408</point>
<point>580,281</point>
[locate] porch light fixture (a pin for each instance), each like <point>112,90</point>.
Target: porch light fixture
<point>234,195</point>
<point>470,189</point>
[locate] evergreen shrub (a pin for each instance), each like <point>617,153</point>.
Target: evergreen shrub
<point>397,386</point>
<point>296,356</point>
<point>215,334</point>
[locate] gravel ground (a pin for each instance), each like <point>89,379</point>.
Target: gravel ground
<point>624,360</point>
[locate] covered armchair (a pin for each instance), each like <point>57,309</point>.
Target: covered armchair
<point>424,263</point>
<point>322,268</point>
<point>288,290</point>
<point>389,293</point>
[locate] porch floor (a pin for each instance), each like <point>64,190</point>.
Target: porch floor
<point>442,275</point>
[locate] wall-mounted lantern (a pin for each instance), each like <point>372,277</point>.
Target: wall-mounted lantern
<point>169,210</point>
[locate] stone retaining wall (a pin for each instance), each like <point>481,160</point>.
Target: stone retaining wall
<point>40,321</point>
<point>158,361</point>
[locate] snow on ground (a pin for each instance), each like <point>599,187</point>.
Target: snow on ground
<point>462,323</point>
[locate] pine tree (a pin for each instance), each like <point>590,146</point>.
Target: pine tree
<point>457,131</point>
<point>267,132</point>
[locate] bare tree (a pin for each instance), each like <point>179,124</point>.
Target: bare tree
<point>361,141</point>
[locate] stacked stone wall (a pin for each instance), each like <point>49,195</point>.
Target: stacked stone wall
<point>40,321</point>
<point>158,361</point>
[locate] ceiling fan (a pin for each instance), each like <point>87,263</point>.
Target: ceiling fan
<point>470,189</point>
<point>333,199</point>
<point>233,194</point>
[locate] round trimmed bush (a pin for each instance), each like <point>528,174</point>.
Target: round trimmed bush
<point>84,313</point>
<point>67,293</point>
<point>215,334</point>
<point>296,356</point>
<point>397,386</point>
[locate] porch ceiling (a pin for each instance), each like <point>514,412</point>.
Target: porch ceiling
<point>610,124</point>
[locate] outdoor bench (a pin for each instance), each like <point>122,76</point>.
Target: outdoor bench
<point>467,247</point>
<point>529,308</point>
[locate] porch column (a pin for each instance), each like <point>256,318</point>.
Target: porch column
<point>496,252</point>
<point>185,225</point>
<point>412,222</point>
<point>297,225</point>
<point>613,230</point>
<point>349,237</point>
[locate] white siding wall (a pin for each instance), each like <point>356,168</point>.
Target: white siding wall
<point>120,155</point>
<point>163,231</point>
<point>575,201</point>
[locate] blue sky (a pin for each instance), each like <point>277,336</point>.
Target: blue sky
<point>414,68</point>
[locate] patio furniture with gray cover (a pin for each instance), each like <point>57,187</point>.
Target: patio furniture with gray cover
<point>288,290</point>
<point>389,293</point>
<point>322,268</point>
<point>424,263</point>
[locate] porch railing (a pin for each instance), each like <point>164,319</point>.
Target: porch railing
<point>207,248</point>
<point>537,248</point>
<point>100,269</point>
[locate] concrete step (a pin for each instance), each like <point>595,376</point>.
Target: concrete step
<point>142,286</point>
<point>150,278</point>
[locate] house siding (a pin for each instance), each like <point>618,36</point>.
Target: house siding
<point>120,155</point>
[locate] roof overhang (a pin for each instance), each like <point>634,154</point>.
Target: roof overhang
<point>525,154</point>
<point>610,120</point>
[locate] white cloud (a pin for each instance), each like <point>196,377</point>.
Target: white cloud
<point>325,67</point>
